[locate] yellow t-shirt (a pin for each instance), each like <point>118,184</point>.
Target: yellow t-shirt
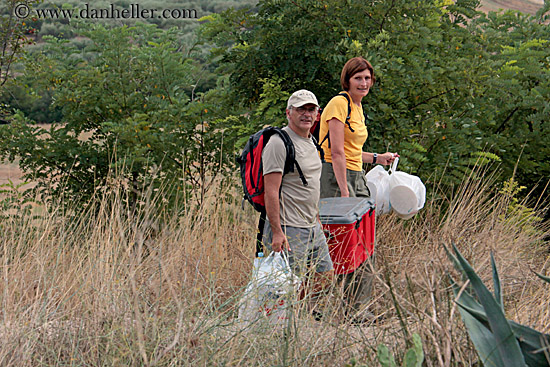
<point>337,108</point>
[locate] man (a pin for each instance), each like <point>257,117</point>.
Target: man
<point>292,209</point>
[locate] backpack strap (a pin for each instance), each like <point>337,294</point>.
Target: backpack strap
<point>290,161</point>
<point>348,117</point>
<point>349,110</point>
<point>260,234</point>
<point>319,148</point>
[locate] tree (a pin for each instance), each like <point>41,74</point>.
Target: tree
<point>127,117</point>
<point>516,100</point>
<point>14,33</point>
<point>442,87</point>
<point>13,36</point>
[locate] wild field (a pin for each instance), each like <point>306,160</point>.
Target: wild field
<point>146,288</point>
<point>9,172</point>
<point>525,6</point>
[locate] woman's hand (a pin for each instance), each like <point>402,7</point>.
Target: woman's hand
<point>386,158</point>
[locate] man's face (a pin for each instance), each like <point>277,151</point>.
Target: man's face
<point>303,117</point>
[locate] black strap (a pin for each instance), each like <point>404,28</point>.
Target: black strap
<point>349,110</point>
<point>325,138</point>
<point>302,177</point>
<point>260,234</point>
<point>289,165</point>
<point>289,146</point>
<point>348,117</point>
<point>319,148</point>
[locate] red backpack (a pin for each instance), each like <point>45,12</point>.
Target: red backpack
<point>252,176</point>
<point>250,160</point>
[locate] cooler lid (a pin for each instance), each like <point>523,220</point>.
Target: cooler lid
<point>343,210</point>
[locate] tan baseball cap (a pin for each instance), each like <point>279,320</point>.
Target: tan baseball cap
<point>300,98</point>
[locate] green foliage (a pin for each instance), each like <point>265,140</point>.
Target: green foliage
<point>518,213</point>
<point>35,104</point>
<point>61,26</point>
<point>498,341</point>
<point>28,96</point>
<point>14,34</point>
<point>15,200</point>
<point>454,86</point>
<point>126,111</point>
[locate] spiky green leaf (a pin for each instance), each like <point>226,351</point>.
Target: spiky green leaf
<point>479,332</point>
<point>505,339</point>
<point>496,283</point>
<point>545,278</point>
<point>531,341</point>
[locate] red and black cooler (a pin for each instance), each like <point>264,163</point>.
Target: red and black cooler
<point>349,225</point>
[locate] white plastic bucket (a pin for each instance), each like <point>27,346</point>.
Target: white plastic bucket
<point>403,200</point>
<point>407,193</point>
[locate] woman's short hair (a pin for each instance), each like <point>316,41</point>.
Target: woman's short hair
<point>354,66</point>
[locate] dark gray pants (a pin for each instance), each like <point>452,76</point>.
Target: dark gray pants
<point>357,286</point>
<point>357,183</point>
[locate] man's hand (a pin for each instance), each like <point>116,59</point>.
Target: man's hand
<point>279,242</point>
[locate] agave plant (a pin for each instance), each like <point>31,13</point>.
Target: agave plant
<point>499,342</point>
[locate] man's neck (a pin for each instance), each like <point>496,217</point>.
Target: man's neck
<point>299,132</point>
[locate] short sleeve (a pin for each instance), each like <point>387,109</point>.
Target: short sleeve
<point>274,155</point>
<point>336,108</point>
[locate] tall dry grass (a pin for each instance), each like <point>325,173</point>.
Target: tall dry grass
<point>114,287</point>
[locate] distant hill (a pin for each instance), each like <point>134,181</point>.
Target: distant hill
<point>525,6</point>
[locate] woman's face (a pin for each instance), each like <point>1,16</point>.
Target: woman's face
<point>360,83</point>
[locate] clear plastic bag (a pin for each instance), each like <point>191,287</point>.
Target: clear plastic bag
<point>271,291</point>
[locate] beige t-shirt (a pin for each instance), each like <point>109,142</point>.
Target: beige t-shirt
<point>299,204</point>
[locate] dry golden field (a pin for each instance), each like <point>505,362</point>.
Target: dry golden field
<point>116,287</point>
<point>9,171</point>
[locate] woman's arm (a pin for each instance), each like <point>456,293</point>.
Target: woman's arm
<point>386,158</point>
<point>336,128</point>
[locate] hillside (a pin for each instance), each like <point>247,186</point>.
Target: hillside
<point>525,6</point>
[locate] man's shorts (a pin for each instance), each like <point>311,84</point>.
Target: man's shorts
<point>308,248</point>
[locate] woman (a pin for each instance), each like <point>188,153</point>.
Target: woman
<point>343,134</point>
